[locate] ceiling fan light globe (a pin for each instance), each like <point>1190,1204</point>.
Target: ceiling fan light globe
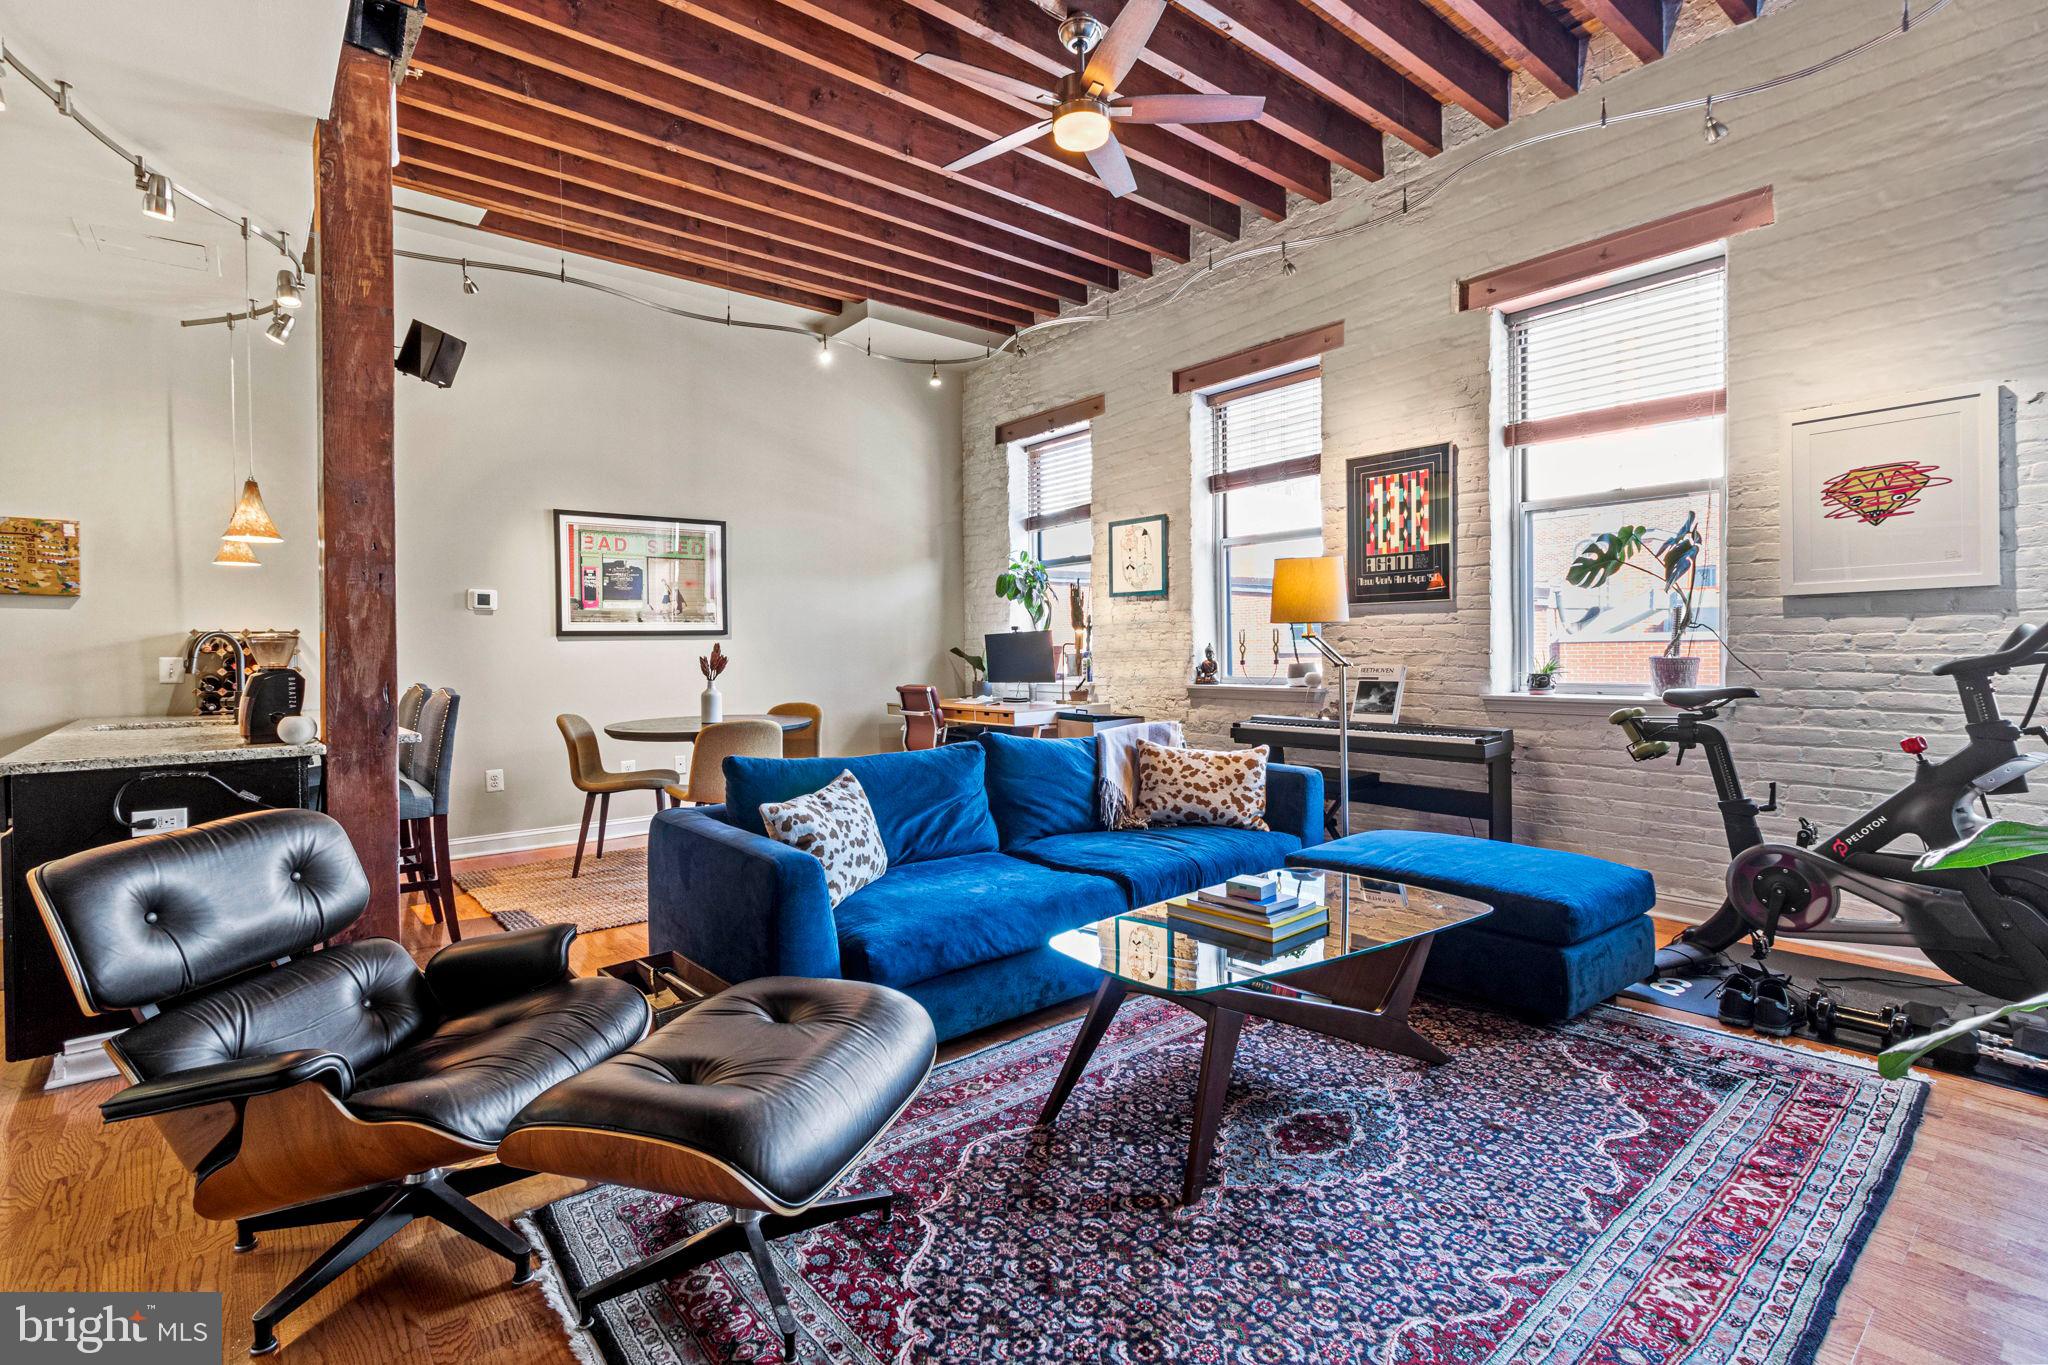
<point>1082,126</point>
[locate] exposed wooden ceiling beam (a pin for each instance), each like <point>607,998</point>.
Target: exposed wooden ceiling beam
<point>935,202</point>
<point>1643,26</point>
<point>670,61</point>
<point>1242,161</point>
<point>852,40</point>
<point>1414,39</point>
<point>1185,53</point>
<point>1289,37</point>
<point>693,188</point>
<point>491,184</point>
<point>1741,11</point>
<point>1532,38</point>
<point>746,173</point>
<point>598,248</point>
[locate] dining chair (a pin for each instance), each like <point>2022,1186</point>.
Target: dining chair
<point>715,744</point>
<point>409,703</point>
<point>425,779</point>
<point>597,783</point>
<point>924,726</point>
<point>800,743</point>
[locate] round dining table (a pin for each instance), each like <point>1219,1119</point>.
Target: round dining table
<point>670,729</point>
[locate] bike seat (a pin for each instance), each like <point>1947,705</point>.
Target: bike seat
<point>1694,698</point>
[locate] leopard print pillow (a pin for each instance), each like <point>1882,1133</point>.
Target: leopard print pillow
<point>836,825</point>
<point>1201,786</point>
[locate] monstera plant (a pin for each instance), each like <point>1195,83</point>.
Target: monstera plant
<point>1673,560</point>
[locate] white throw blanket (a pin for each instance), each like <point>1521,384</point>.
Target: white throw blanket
<point>1116,768</point>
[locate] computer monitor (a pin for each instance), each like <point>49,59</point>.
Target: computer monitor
<point>1021,656</point>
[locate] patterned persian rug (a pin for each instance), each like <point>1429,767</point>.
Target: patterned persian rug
<point>611,892</point>
<point>1623,1189</point>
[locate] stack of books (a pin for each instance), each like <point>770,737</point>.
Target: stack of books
<point>1255,908</point>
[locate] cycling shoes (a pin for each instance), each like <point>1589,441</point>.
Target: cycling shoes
<point>1772,1009</point>
<point>1738,998</point>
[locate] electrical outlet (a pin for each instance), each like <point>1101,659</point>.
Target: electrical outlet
<point>629,765</point>
<point>494,779</point>
<point>169,667</point>
<point>682,763</point>
<point>157,821</point>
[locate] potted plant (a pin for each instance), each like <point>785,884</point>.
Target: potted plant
<point>976,664</point>
<point>1544,676</point>
<point>1026,583</point>
<point>1674,563</point>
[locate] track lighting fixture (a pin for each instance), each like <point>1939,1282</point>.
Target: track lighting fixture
<point>1287,266</point>
<point>280,328</point>
<point>1715,129</point>
<point>824,350</point>
<point>156,190</point>
<point>290,296</point>
<point>472,288</point>
<point>935,381</point>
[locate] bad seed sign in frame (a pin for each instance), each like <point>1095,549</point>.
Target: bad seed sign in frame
<point>625,575</point>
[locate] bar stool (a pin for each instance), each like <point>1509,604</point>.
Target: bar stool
<point>597,783</point>
<point>425,775</point>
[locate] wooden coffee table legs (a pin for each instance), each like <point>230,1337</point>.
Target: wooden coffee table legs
<point>1362,999</point>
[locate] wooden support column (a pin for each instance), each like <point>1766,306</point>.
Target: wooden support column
<point>359,606</point>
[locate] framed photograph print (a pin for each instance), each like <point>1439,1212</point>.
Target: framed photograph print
<point>1400,525</point>
<point>1137,557</point>
<point>618,575</point>
<point>1892,496</point>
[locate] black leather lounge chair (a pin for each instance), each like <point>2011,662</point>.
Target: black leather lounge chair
<point>305,1087</point>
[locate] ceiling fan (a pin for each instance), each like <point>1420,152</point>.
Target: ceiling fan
<point>1085,104</point>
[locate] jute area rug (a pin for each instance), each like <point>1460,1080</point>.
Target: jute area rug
<point>611,893</point>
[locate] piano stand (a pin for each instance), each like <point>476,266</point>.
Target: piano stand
<point>1495,805</point>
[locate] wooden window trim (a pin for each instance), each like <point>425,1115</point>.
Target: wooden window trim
<point>1684,407</point>
<point>1264,356</point>
<point>1051,420</point>
<point>1574,269</point>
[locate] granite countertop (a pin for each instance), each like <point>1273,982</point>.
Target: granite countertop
<point>143,741</point>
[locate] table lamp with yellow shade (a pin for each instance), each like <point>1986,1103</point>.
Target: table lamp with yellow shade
<point>1309,592</point>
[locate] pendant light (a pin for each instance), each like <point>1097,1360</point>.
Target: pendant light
<point>251,523</point>
<point>234,554</point>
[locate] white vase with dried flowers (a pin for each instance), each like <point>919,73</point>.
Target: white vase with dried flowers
<point>710,705</point>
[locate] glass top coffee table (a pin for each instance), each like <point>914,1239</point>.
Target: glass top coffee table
<point>1354,981</point>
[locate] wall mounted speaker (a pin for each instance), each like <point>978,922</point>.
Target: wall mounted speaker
<point>430,354</point>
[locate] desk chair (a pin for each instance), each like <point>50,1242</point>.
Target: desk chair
<point>923,725</point>
<point>597,783</point>
<point>800,743</point>
<point>303,1086</point>
<point>425,777</point>
<point>715,744</point>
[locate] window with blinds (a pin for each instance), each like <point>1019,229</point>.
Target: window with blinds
<point>1058,473</point>
<point>1637,354</point>
<point>1266,431</point>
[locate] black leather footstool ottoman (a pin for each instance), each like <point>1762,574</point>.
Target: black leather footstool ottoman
<point>760,1099</point>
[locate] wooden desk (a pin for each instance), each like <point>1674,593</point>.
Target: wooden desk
<point>998,715</point>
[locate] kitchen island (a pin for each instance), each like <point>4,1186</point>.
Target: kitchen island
<point>93,782</point>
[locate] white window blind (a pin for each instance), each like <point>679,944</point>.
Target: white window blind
<point>1058,480</point>
<point>1634,355</point>
<point>1266,431</point>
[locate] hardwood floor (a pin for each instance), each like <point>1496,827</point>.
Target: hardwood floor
<point>1952,1274</point>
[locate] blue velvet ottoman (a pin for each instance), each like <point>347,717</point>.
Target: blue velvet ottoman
<point>1567,931</point>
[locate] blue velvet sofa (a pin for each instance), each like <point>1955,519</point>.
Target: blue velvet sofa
<point>993,847</point>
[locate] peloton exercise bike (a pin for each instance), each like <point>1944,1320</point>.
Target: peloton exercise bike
<point>1986,927</point>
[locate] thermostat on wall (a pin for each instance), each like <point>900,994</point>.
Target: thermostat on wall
<point>483,600</point>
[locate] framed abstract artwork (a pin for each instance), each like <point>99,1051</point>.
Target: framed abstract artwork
<point>39,556</point>
<point>622,575</point>
<point>1893,496</point>
<point>1400,523</point>
<point>1137,557</point>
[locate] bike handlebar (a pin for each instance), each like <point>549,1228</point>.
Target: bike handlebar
<point>2020,647</point>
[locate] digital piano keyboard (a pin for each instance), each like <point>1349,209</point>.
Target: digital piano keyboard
<point>1459,744</point>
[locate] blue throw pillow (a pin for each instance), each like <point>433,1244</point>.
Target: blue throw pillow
<point>1040,787</point>
<point>928,804</point>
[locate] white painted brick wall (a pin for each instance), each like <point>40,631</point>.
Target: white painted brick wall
<point>1911,248</point>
